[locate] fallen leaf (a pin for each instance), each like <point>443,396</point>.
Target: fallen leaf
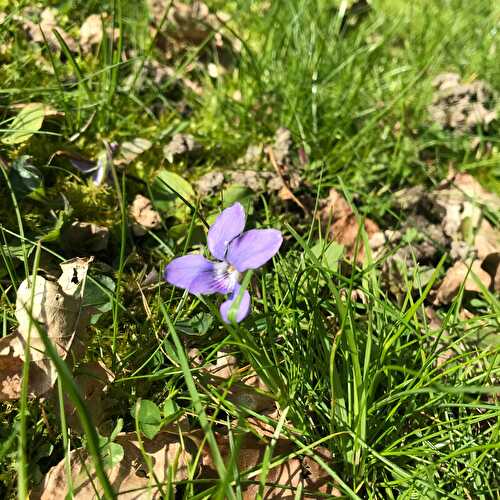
<point>226,365</point>
<point>93,379</point>
<point>11,369</point>
<point>456,275</point>
<point>46,26</point>
<point>248,391</point>
<point>132,478</point>
<point>57,308</point>
<point>282,481</point>
<point>85,237</point>
<point>191,23</point>
<point>487,240</point>
<point>91,32</point>
<point>129,151</point>
<point>343,225</point>
<point>144,216</point>
<point>491,264</point>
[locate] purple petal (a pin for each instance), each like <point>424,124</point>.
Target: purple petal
<point>102,172</point>
<point>195,274</point>
<point>85,166</point>
<point>243,309</point>
<point>253,248</point>
<point>226,227</point>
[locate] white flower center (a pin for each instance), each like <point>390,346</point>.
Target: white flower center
<point>226,274</point>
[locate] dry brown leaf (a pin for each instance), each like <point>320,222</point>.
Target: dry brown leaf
<point>11,369</point>
<point>56,308</point>
<point>144,216</point>
<point>129,151</point>
<point>132,478</point>
<point>283,480</point>
<point>93,379</point>
<point>248,391</point>
<point>491,264</point>
<point>487,240</point>
<point>454,278</point>
<point>344,227</point>
<point>472,190</point>
<point>226,365</point>
<point>46,26</point>
<point>91,32</point>
<point>85,237</point>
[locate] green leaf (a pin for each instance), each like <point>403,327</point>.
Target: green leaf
<point>99,296</point>
<point>111,453</point>
<point>170,408</point>
<point>28,121</point>
<point>148,416</point>
<point>328,256</point>
<point>166,183</point>
<point>25,178</point>
<point>54,233</point>
<point>239,193</point>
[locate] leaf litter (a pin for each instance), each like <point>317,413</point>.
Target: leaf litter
<point>57,308</point>
<point>144,216</point>
<point>462,106</point>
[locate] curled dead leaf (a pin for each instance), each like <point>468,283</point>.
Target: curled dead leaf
<point>56,307</point>
<point>11,369</point>
<point>144,216</point>
<point>282,481</point>
<point>131,150</point>
<point>93,379</point>
<point>487,240</point>
<point>38,32</point>
<point>91,32</point>
<point>456,275</point>
<point>132,478</point>
<point>343,225</point>
<point>491,264</point>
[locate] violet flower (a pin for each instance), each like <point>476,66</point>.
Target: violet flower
<point>100,169</point>
<point>236,251</point>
